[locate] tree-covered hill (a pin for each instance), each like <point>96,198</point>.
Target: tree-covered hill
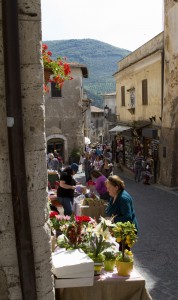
<point>100,58</point>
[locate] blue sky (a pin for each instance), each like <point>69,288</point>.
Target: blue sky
<point>125,24</point>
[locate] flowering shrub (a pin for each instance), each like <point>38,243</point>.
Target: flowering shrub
<point>125,234</point>
<point>59,68</point>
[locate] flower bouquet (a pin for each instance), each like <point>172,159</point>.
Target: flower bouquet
<point>100,241</point>
<point>56,221</point>
<point>76,233</point>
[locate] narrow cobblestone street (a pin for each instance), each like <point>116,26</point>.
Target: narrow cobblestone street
<point>156,252</point>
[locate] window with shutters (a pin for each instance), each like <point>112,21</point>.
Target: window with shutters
<point>55,93</point>
<point>144,92</point>
<point>122,95</point>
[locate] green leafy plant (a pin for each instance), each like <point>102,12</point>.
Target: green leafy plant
<point>109,254</point>
<point>97,245</point>
<point>125,234</point>
<point>75,156</point>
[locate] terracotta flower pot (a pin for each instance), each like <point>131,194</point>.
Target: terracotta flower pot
<point>124,268</point>
<point>109,265</point>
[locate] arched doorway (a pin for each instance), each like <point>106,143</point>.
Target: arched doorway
<point>59,143</point>
<point>56,144</point>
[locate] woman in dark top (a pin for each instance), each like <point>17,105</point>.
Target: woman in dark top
<point>65,191</point>
<point>121,203</point>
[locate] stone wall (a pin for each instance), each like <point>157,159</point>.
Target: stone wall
<point>64,114</point>
<point>169,134</point>
<point>35,157</point>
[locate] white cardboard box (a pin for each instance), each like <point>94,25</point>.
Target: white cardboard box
<point>73,282</point>
<point>72,264</point>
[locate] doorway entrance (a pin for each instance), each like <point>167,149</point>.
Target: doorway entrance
<point>56,144</point>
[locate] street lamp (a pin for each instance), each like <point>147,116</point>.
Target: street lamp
<point>106,111</point>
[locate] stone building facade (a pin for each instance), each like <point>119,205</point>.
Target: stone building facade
<point>139,84</point>
<point>157,62</point>
<point>15,257</point>
<point>97,119</point>
<point>141,69</point>
<point>110,116</point>
<point>64,114</point>
<point>169,130</point>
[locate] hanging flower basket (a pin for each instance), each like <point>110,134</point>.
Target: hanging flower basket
<point>59,68</point>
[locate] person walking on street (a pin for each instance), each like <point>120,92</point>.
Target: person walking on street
<point>88,166</point>
<point>65,191</point>
<point>107,168</point>
<point>53,163</point>
<point>138,166</point>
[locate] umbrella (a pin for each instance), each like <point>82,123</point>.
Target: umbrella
<point>87,141</point>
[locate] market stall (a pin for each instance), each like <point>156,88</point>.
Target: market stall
<point>79,259</point>
<point>109,286</point>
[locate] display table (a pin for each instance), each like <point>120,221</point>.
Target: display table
<point>108,286</point>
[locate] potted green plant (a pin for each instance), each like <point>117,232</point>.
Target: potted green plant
<point>110,258</point>
<point>97,245</point>
<point>125,234</point>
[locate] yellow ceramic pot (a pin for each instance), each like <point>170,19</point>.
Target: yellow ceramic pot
<point>98,267</point>
<point>124,268</point>
<point>109,265</point>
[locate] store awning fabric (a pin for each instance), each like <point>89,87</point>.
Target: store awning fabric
<point>119,128</point>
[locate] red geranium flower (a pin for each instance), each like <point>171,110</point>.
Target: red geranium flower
<point>59,68</point>
<point>82,219</point>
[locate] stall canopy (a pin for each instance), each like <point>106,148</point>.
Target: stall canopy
<point>87,141</point>
<point>119,128</point>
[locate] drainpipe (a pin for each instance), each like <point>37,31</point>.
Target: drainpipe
<point>16,150</point>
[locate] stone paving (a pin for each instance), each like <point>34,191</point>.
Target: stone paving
<point>156,252</point>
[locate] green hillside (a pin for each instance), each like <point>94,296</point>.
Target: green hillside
<point>100,59</point>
